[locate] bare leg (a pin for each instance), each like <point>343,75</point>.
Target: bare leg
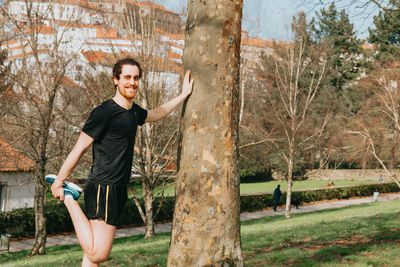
<point>87,263</point>
<point>95,236</point>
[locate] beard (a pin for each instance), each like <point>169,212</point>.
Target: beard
<point>128,92</point>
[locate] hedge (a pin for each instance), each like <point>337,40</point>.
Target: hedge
<point>261,201</point>
<point>20,223</point>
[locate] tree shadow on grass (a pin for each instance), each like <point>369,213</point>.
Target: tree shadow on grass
<point>277,218</point>
<point>375,231</point>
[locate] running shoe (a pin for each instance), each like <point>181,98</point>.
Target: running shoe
<point>71,192</point>
<point>67,185</point>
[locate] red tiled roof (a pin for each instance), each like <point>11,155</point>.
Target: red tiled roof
<point>67,81</point>
<point>97,57</point>
<point>172,55</point>
<point>369,47</point>
<point>177,36</point>
<point>175,44</point>
<point>28,54</point>
<point>143,3</point>
<point>110,45</point>
<point>43,29</point>
<point>158,63</point>
<point>256,42</point>
<point>103,33</point>
<point>12,160</point>
<point>81,3</point>
<point>11,42</point>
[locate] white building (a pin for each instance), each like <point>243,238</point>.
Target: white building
<point>17,185</point>
<point>78,27</point>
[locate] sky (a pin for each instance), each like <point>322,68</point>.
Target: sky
<point>270,19</point>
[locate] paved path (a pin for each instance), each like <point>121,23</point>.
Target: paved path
<point>162,228</point>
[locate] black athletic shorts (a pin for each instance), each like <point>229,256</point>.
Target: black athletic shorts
<point>105,201</point>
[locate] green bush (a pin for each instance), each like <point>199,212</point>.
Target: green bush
<point>21,222</point>
<point>262,201</point>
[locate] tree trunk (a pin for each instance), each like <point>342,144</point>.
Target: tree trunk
<point>393,158</point>
<point>312,160</point>
<point>206,223</point>
<point>40,222</point>
<point>288,211</point>
<point>242,85</point>
<point>148,207</point>
<point>364,158</point>
<point>321,159</point>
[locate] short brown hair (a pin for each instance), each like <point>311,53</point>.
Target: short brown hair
<point>125,61</point>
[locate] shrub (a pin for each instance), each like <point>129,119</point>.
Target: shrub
<point>262,201</point>
<point>21,222</point>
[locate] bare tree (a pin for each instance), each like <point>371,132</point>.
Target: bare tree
<point>365,134</point>
<point>296,70</point>
<point>379,123</point>
<point>36,120</point>
<point>206,223</point>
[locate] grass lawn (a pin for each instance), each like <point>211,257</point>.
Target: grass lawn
<point>362,235</point>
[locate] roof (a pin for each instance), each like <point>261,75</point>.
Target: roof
<point>104,33</point>
<point>254,41</point>
<point>97,57</point>
<point>172,55</point>
<point>12,160</point>
<point>155,63</point>
<point>369,47</point>
<point>176,36</point>
<point>28,54</point>
<point>42,29</point>
<point>67,81</point>
<point>81,3</point>
<point>141,3</point>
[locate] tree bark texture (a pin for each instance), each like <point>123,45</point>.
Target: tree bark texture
<point>393,156</point>
<point>148,206</point>
<point>288,211</point>
<point>206,224</point>
<point>40,172</point>
<point>40,221</point>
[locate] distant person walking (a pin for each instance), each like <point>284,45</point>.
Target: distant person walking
<point>277,196</point>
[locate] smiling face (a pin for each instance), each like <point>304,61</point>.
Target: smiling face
<point>128,82</point>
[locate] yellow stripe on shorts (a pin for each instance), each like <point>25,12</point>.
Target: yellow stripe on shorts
<point>108,187</point>
<point>98,197</point>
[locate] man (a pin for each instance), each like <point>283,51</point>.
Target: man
<point>111,128</point>
<point>277,196</point>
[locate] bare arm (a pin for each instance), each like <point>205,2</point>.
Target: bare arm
<point>81,146</point>
<point>162,111</point>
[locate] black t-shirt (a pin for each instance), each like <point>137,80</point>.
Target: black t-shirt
<point>113,129</point>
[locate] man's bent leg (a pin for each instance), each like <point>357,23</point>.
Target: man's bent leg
<point>87,263</point>
<point>103,235</point>
<point>95,236</point>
